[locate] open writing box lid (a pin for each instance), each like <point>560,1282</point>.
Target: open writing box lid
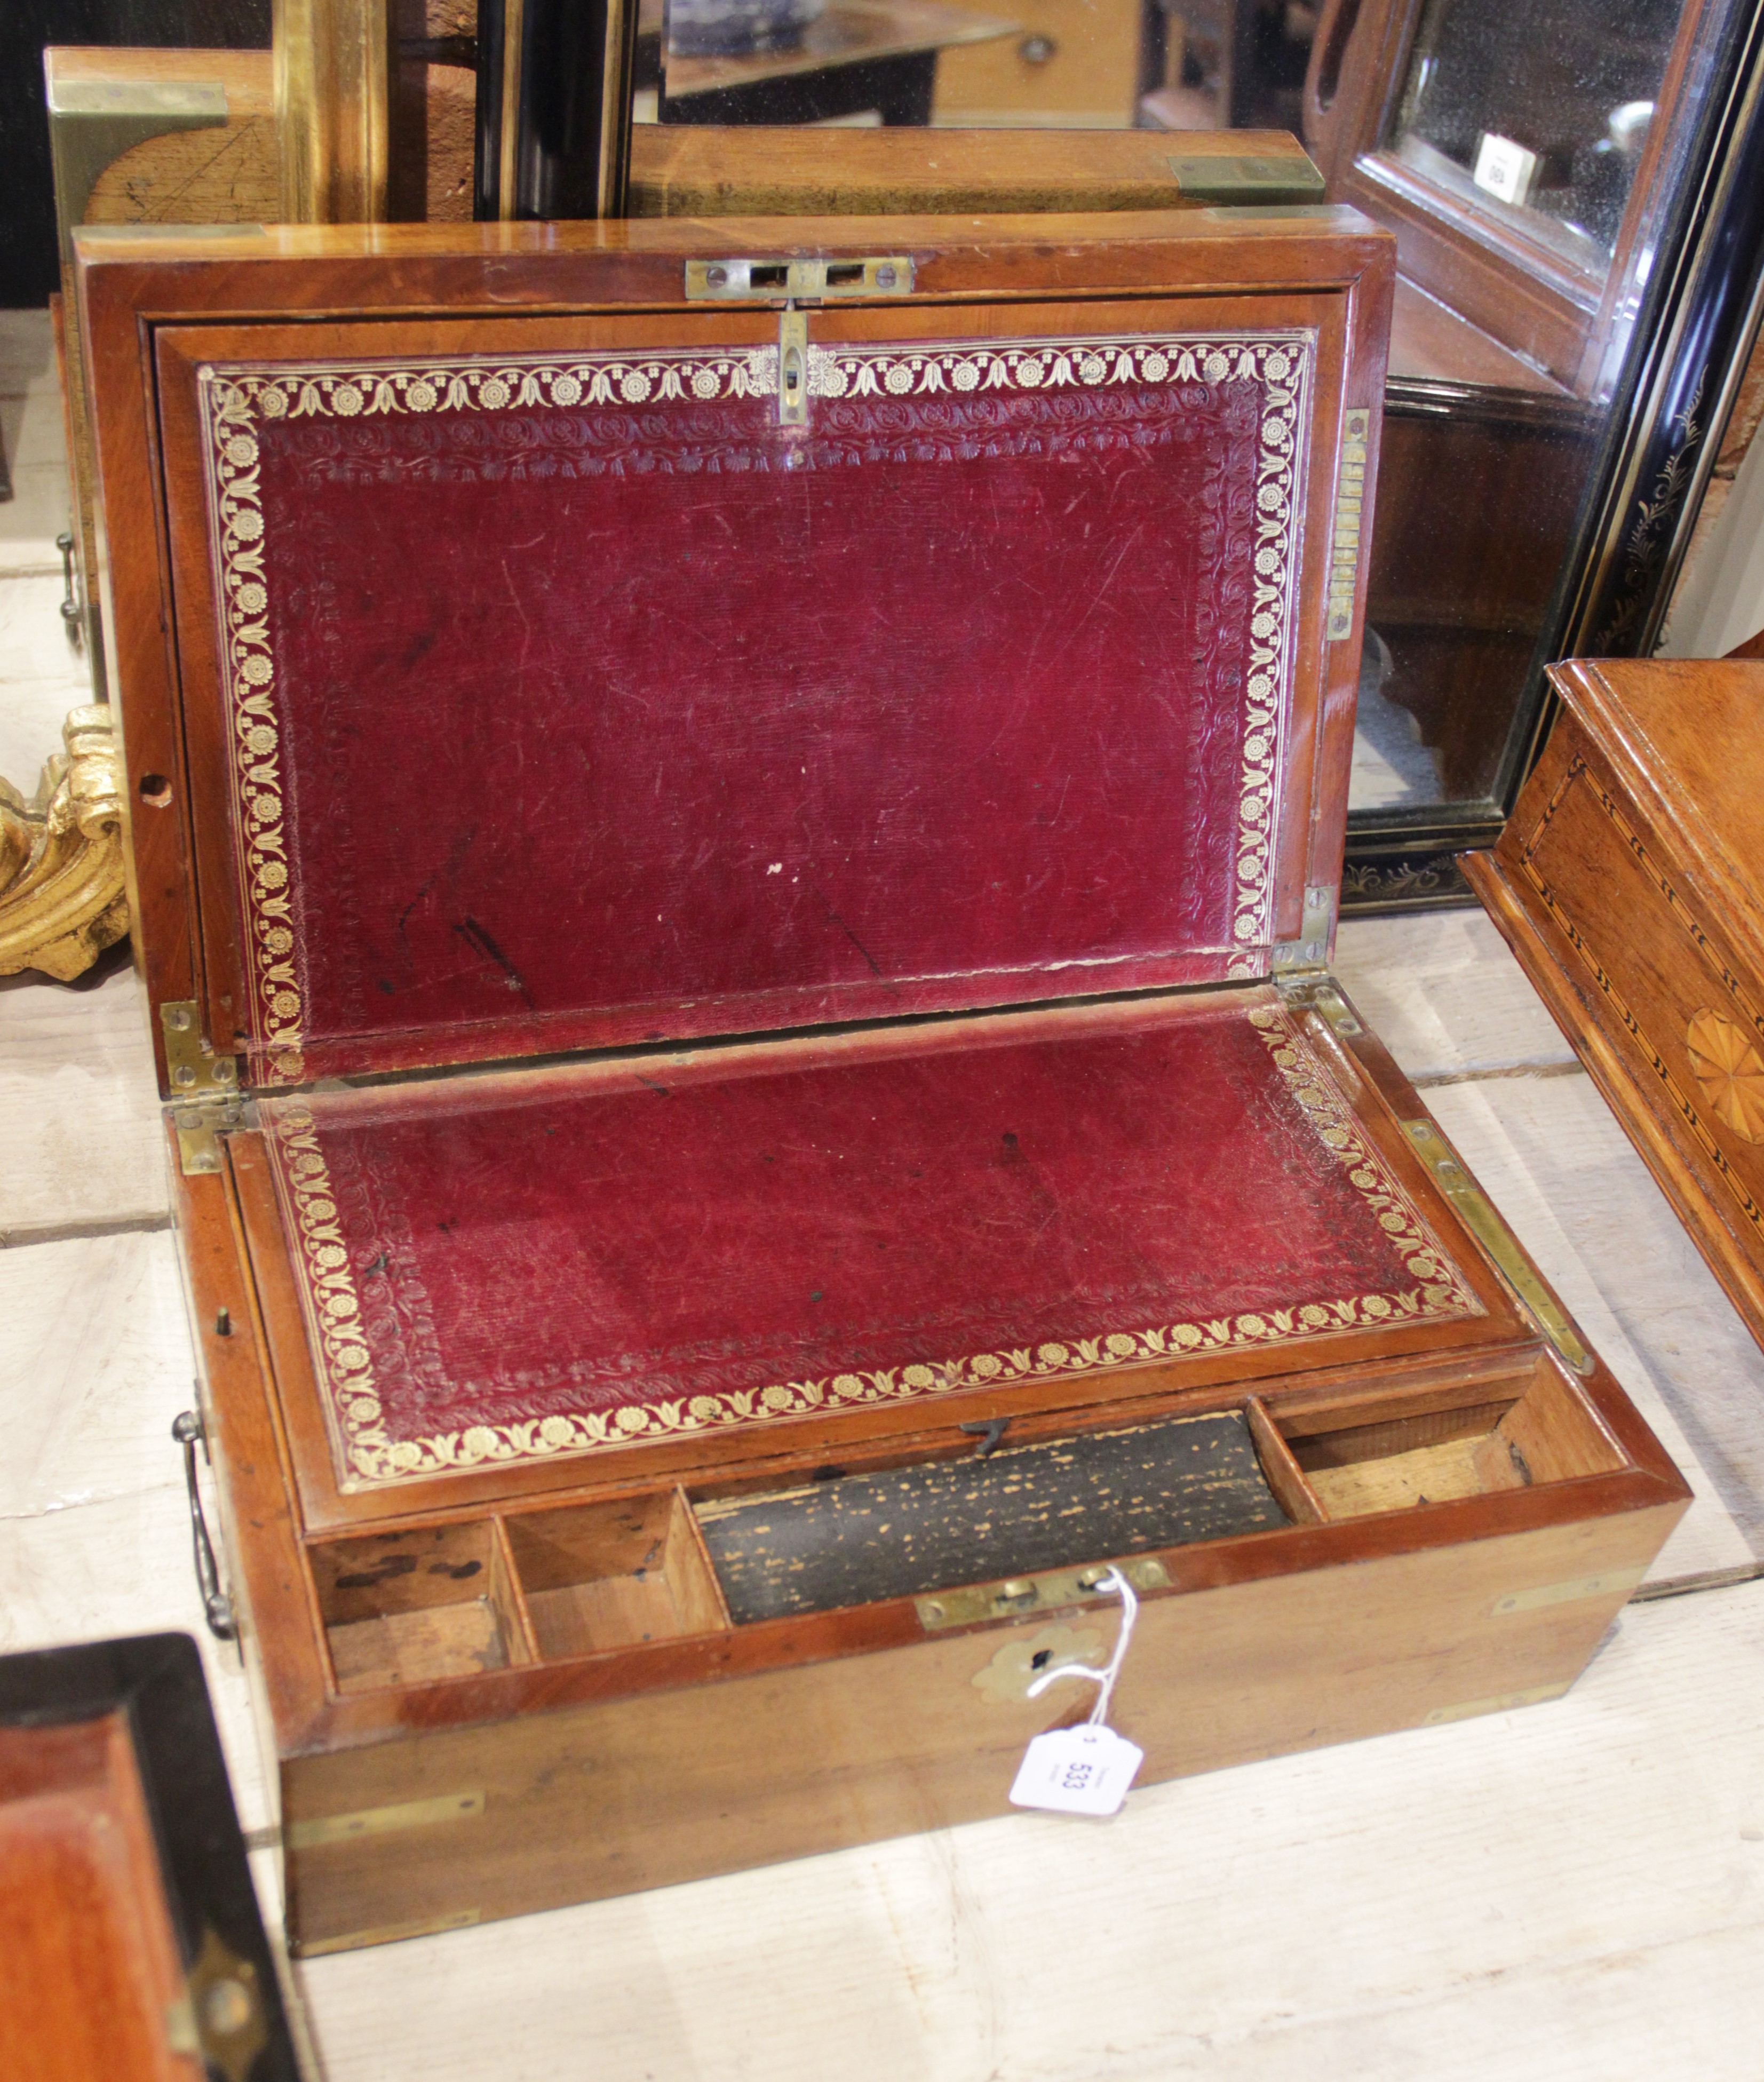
<point>540,690</point>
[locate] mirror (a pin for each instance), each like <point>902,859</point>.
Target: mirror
<point>1086,64</point>
<point>1580,84</point>
<point>1528,154</point>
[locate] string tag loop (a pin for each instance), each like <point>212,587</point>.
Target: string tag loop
<point>1085,1770</point>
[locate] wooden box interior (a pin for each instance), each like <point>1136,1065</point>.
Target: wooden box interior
<point>553,1582</point>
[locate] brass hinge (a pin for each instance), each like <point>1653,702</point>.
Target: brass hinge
<point>769,281</point>
<point>1350,511</point>
<point>1020,1595</point>
<point>1473,1207</point>
<point>205,1095</point>
<point>1308,955</point>
<point>200,1122</point>
<point>191,1064</point>
<point>1330,1006</point>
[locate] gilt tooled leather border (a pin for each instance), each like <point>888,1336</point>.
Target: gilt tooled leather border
<point>368,1457</point>
<point>236,399</point>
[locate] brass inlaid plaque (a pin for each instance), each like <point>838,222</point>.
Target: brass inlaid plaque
<point>1350,504</point>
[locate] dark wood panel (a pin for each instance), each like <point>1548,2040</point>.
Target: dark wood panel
<point>1460,584</point>
<point>1018,1510</point>
<point>132,1949</point>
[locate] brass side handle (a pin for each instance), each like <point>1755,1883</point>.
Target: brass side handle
<point>70,599</point>
<point>186,1428</point>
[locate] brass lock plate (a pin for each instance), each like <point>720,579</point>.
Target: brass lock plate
<point>1019,1596</point>
<point>774,279</point>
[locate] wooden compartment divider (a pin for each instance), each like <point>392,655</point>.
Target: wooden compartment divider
<point>1286,1477</point>
<point>603,1576</point>
<point>519,1614</point>
<point>410,1605</point>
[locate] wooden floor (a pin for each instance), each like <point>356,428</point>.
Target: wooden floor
<point>1573,1890</point>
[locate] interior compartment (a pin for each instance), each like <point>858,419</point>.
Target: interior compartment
<point>1329,1468</point>
<point>611,1575</point>
<point>406,1608</point>
<point>901,1531</point>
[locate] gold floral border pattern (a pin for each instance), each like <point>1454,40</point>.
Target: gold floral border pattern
<point>1443,1289</point>
<point>236,538</point>
<point>1284,374</point>
<point>329,1298</point>
<point>345,1369</point>
<point>236,400</point>
<point>234,403</point>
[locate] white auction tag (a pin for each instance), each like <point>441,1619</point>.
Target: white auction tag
<point>1505,169</point>
<point>1084,1770</point>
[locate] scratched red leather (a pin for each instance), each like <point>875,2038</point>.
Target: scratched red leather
<point>602,727</point>
<point>525,1247</point>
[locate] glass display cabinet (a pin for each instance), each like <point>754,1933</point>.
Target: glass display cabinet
<point>1573,302</point>
<point>1578,241</point>
<point>1517,153</point>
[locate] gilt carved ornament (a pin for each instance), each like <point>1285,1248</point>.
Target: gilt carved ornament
<point>62,898</point>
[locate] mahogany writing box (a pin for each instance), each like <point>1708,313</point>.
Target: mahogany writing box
<point>736,829</point>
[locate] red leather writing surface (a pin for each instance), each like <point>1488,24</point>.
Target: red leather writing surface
<point>545,1263</point>
<point>560,721</point>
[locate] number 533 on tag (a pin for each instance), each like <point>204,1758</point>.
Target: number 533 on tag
<point>1077,1771</point>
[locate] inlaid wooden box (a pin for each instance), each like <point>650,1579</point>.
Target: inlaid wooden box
<point>1627,882</point>
<point>736,831</point>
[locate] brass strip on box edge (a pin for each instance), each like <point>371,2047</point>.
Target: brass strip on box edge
<point>1605,1584</point>
<point>1474,1209</point>
<point>1502,1702</point>
<point>380,1821</point>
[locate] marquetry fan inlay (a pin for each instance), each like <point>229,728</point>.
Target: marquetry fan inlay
<point>1730,1071</point>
